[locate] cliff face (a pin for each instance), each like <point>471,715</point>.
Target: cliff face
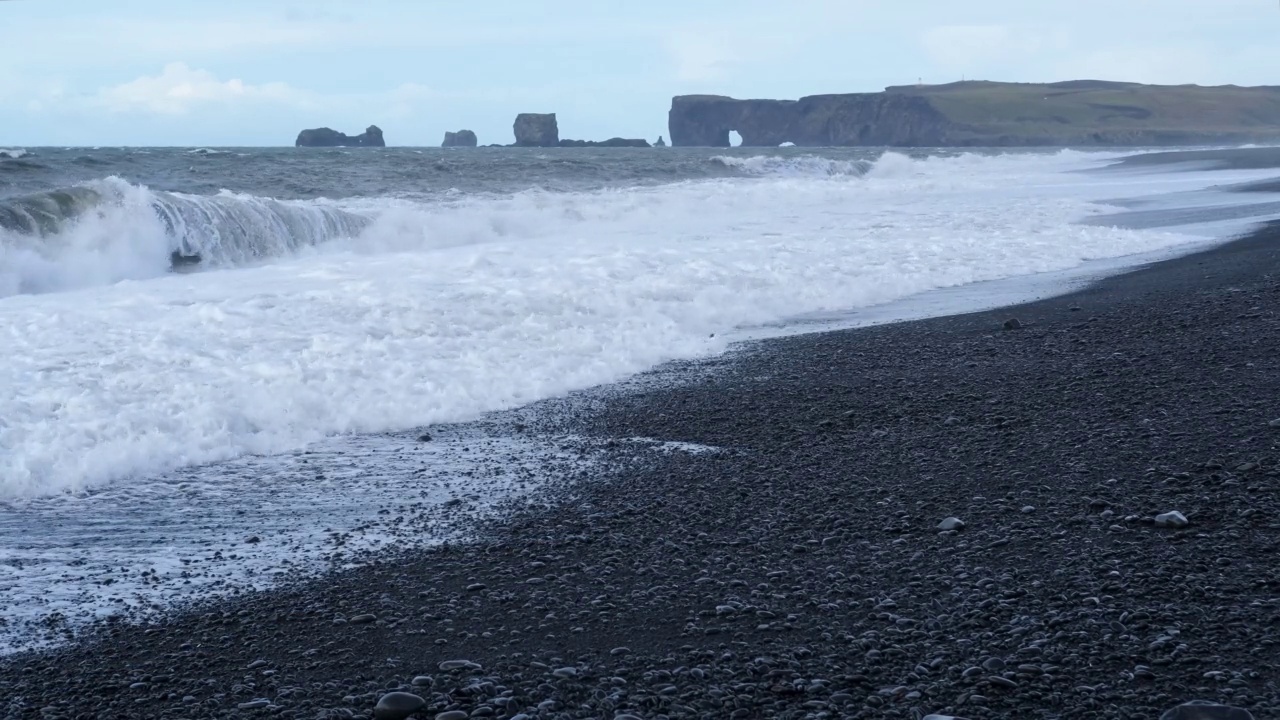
<point>328,137</point>
<point>815,121</point>
<point>976,113</point>
<point>536,130</point>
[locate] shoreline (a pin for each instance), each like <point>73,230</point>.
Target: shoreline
<point>798,570</point>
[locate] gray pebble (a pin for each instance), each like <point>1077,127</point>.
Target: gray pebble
<point>397,706</point>
<point>1205,710</point>
<point>1172,519</point>
<point>423,681</point>
<point>951,523</point>
<point>452,715</point>
<point>565,672</point>
<point>451,665</point>
<point>254,704</point>
<point>363,619</point>
<point>993,664</point>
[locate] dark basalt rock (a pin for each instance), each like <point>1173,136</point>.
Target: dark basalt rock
<point>328,137</point>
<point>660,143</point>
<point>816,121</point>
<point>978,113</point>
<point>536,130</point>
<point>611,142</point>
<point>462,138</point>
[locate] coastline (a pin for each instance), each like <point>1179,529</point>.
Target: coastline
<point>798,570</point>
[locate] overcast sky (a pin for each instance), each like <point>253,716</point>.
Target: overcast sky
<point>254,72</point>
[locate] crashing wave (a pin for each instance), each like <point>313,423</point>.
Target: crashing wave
<point>109,230</point>
<point>12,154</point>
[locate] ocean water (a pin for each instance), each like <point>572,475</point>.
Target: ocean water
<point>152,418</point>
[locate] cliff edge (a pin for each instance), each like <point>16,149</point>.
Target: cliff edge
<point>979,113</point>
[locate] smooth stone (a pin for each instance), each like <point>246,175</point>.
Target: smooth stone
<point>951,523</point>
<point>1028,509</point>
<point>1012,324</point>
<point>1172,519</point>
<point>254,704</point>
<point>1205,710</point>
<point>451,665</point>
<point>362,619</point>
<point>452,715</point>
<point>941,717</point>
<point>1275,423</point>
<point>993,664</point>
<point>397,706</point>
<point>423,681</point>
<point>565,672</point>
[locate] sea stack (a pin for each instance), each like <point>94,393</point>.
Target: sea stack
<point>328,137</point>
<point>660,143</point>
<point>462,138</point>
<point>536,130</point>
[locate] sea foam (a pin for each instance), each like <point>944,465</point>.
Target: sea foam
<point>421,313</point>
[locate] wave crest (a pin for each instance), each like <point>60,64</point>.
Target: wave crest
<point>109,230</point>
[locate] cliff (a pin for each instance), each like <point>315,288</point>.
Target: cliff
<point>611,142</point>
<point>327,137</point>
<point>976,113</point>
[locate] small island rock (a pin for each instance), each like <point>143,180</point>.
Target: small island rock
<point>462,138</point>
<point>536,130</point>
<point>328,137</point>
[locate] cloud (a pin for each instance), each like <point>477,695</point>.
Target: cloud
<point>178,89</point>
<point>975,48</point>
<point>700,57</point>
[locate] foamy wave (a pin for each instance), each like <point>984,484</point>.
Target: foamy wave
<point>12,154</point>
<point>438,312</point>
<point>109,230</point>
<point>803,166</point>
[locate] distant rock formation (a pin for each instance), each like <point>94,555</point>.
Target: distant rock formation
<point>462,138</point>
<point>327,137</point>
<point>611,142</point>
<point>821,120</point>
<point>660,143</point>
<point>979,113</point>
<point>536,130</point>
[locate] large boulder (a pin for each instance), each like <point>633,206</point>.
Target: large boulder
<point>328,137</point>
<point>462,138</point>
<point>536,130</point>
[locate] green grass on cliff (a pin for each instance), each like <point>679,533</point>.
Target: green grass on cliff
<point>1069,107</point>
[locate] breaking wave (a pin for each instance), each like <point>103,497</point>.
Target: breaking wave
<point>109,230</point>
<point>12,154</point>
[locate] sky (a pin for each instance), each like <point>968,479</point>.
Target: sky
<point>255,72</point>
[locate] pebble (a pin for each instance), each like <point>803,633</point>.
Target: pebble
<point>363,619</point>
<point>1172,519</point>
<point>565,672</point>
<point>1205,710</point>
<point>993,664</point>
<point>1012,324</point>
<point>1028,509</point>
<point>941,717</point>
<point>951,523</point>
<point>452,715</point>
<point>254,704</point>
<point>1275,423</point>
<point>451,665</point>
<point>423,681</point>
<point>397,706</point>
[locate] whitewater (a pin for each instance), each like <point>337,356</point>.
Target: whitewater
<point>344,324</point>
<point>324,317</point>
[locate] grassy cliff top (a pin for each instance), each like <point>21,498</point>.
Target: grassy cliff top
<point>1039,109</point>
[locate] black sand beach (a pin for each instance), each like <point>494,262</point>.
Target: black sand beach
<point>800,572</point>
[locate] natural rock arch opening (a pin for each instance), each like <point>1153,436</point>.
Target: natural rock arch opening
<point>735,139</point>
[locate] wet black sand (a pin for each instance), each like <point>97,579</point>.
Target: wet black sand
<point>800,572</point>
